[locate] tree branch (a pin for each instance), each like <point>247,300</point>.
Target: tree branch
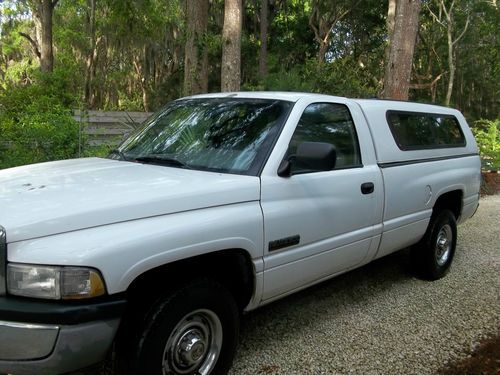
<point>323,38</point>
<point>451,7</point>
<point>33,43</point>
<point>334,22</point>
<point>463,31</point>
<point>436,18</point>
<point>422,86</point>
<point>446,12</point>
<point>317,36</point>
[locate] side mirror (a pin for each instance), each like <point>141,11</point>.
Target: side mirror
<point>311,156</point>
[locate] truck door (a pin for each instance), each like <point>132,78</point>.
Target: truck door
<point>320,223</point>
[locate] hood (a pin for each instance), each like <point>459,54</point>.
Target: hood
<point>49,198</point>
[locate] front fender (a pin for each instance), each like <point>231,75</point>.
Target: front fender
<point>123,251</point>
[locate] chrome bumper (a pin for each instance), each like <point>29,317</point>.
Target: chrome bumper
<point>50,349</point>
<point>16,336</point>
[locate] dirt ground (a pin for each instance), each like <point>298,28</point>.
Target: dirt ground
<point>485,360</point>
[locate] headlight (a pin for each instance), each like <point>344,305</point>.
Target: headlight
<point>54,282</point>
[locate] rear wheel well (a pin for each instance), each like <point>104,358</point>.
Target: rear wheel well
<point>232,268</point>
<point>452,201</point>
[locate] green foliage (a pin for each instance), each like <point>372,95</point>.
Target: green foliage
<point>58,86</point>
<point>293,79</point>
<point>100,151</point>
<point>487,134</point>
<point>129,55</point>
<point>291,38</point>
<point>35,122</point>
<point>475,90</point>
<point>38,135</point>
<point>342,77</point>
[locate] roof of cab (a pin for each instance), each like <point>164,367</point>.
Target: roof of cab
<point>366,104</point>
<point>280,95</point>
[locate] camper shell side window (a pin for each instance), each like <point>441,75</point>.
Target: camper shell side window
<point>421,131</point>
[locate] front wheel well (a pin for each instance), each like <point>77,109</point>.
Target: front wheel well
<point>233,268</point>
<point>451,200</point>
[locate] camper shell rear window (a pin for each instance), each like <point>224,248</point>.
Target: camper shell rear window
<point>421,131</point>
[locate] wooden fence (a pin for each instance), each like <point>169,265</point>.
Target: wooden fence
<point>108,127</point>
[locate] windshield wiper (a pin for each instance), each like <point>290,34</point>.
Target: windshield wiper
<point>117,155</point>
<point>161,160</point>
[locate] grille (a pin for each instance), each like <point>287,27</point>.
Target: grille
<point>3,260</point>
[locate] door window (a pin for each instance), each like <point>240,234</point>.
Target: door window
<point>328,123</point>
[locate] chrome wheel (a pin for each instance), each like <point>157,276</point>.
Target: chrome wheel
<point>443,244</point>
<point>194,345</point>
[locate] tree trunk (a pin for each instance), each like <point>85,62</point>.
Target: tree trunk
<point>323,49</point>
<point>391,17</point>
<point>401,48</point>
<point>450,25</point>
<point>92,55</point>
<point>389,23</point>
<point>195,56</point>
<point>146,77</point>
<point>42,11</point>
<point>100,91</point>
<point>231,46</point>
<point>451,64</point>
<point>445,19</point>
<point>264,24</point>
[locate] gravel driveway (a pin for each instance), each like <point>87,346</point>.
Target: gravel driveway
<point>381,320</point>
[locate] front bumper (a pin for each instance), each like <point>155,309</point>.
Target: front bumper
<point>45,349</point>
<point>52,338</point>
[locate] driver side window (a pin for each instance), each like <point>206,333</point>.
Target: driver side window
<point>328,123</point>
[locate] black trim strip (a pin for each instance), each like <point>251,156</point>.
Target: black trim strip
<point>26,310</point>
<point>3,261</point>
<point>284,242</point>
<point>426,160</point>
<point>298,173</point>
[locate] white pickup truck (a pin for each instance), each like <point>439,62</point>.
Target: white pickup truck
<point>219,204</point>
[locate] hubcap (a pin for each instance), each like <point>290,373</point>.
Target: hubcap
<point>191,347</point>
<point>194,345</point>
<point>443,244</point>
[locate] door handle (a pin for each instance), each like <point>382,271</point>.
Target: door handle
<point>367,188</point>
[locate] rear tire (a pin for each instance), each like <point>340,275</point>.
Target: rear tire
<point>433,254</point>
<point>193,330</point>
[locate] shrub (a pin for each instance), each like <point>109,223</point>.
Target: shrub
<point>38,135</point>
<point>343,76</point>
<point>487,134</point>
<point>36,123</point>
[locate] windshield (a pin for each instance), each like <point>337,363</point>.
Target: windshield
<point>231,135</point>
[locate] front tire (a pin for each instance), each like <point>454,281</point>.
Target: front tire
<point>193,330</point>
<point>432,256</point>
